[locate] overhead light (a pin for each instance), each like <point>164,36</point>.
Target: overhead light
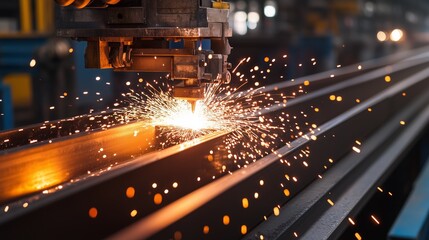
<point>381,36</point>
<point>270,8</point>
<point>396,35</point>
<point>252,20</point>
<point>240,22</point>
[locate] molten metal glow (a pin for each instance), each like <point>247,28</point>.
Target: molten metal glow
<point>179,115</point>
<point>221,109</point>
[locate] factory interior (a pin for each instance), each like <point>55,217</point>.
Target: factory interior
<point>212,119</point>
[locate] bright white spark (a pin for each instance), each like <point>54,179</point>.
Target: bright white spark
<point>235,112</point>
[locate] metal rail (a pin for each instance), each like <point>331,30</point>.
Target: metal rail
<point>246,180</point>
<point>187,165</point>
<point>356,174</point>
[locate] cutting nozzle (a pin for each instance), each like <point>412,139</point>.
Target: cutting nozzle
<point>189,93</point>
<point>193,105</point>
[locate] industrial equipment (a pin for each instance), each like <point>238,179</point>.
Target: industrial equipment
<point>187,39</point>
<point>110,184</point>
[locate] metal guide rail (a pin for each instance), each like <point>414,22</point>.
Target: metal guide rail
<point>182,191</point>
<point>239,202</point>
<point>330,202</point>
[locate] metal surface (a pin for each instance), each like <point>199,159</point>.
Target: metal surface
<point>204,194</point>
<point>367,182</point>
<point>50,163</point>
<point>349,184</point>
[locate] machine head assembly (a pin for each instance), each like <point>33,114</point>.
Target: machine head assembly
<point>187,39</point>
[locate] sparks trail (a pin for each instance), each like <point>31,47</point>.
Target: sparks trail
<point>222,109</point>
<point>241,62</point>
<point>239,110</point>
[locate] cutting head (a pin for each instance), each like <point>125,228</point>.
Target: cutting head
<point>187,39</point>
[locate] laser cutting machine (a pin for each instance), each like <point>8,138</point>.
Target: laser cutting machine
<point>188,39</point>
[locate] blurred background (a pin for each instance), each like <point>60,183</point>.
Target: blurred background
<point>43,77</point>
